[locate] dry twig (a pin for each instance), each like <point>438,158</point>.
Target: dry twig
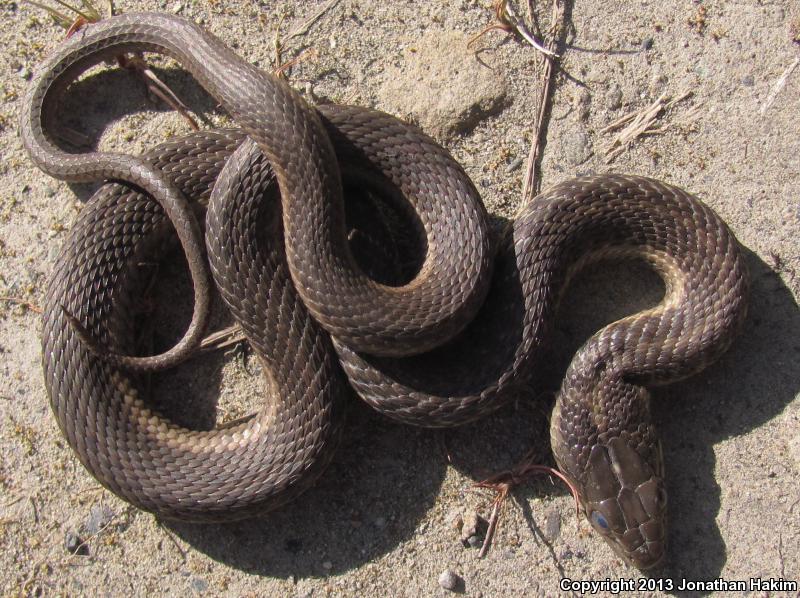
<point>508,20</point>
<point>223,338</point>
<point>532,185</point>
<point>639,123</point>
<point>503,482</point>
<point>779,85</point>
<point>303,28</point>
<point>17,301</point>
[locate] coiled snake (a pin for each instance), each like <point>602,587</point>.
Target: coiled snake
<point>446,345</point>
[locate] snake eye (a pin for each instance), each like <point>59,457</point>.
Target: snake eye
<point>599,520</point>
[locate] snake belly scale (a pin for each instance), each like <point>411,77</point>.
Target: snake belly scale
<point>466,333</point>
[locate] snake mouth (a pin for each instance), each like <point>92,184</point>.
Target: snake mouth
<point>642,547</point>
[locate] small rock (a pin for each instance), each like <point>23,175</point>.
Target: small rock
<point>514,164</point>
<point>199,585</point>
<point>658,83</point>
<point>450,581</point>
<point>647,44</point>
<point>474,526</point>
<point>614,97</point>
<point>577,148</point>
<point>380,522</point>
<point>99,517</point>
<point>74,544</point>
<point>552,525</point>
<point>748,81</point>
<point>581,104</point>
<point>327,565</point>
<point>455,519</point>
<point>25,73</point>
<point>474,542</point>
<point>177,8</point>
<point>441,85</point>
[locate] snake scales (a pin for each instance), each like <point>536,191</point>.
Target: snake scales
<point>453,341</point>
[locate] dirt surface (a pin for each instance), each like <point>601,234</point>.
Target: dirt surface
<point>380,521</point>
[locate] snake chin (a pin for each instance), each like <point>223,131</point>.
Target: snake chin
<point>623,497</point>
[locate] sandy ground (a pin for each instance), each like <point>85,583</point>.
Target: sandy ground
<point>379,521</point>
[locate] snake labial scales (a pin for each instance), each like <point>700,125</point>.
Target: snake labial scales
<point>449,344</point>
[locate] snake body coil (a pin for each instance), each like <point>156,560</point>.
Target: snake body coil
<point>467,332</point>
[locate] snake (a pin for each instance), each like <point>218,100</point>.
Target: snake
<point>447,338</point>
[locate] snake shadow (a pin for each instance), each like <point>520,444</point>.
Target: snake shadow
<point>750,385</point>
<point>383,479</point>
<point>103,97</point>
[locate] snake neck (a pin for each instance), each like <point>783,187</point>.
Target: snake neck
<point>605,443</point>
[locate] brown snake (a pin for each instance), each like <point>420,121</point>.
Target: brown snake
<point>451,342</point>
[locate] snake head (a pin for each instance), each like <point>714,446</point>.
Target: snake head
<point>624,499</point>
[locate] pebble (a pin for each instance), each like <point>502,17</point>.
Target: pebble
<point>474,542</point>
<point>577,147</point>
<point>552,525</point>
<point>581,104</point>
<point>440,84</point>
<point>614,97</point>
<point>177,8</point>
<point>474,526</point>
<point>748,81</point>
<point>380,522</point>
<point>25,73</point>
<point>658,83</point>
<point>647,44</point>
<point>514,164</point>
<point>450,581</point>
<point>455,519</point>
<point>198,584</point>
<point>327,565</point>
<point>99,517</point>
<point>74,544</point>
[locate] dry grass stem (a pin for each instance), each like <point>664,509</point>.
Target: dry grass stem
<point>533,185</point>
<point>222,339</point>
<point>303,27</point>
<point>17,301</point>
<point>640,123</point>
<point>779,85</point>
